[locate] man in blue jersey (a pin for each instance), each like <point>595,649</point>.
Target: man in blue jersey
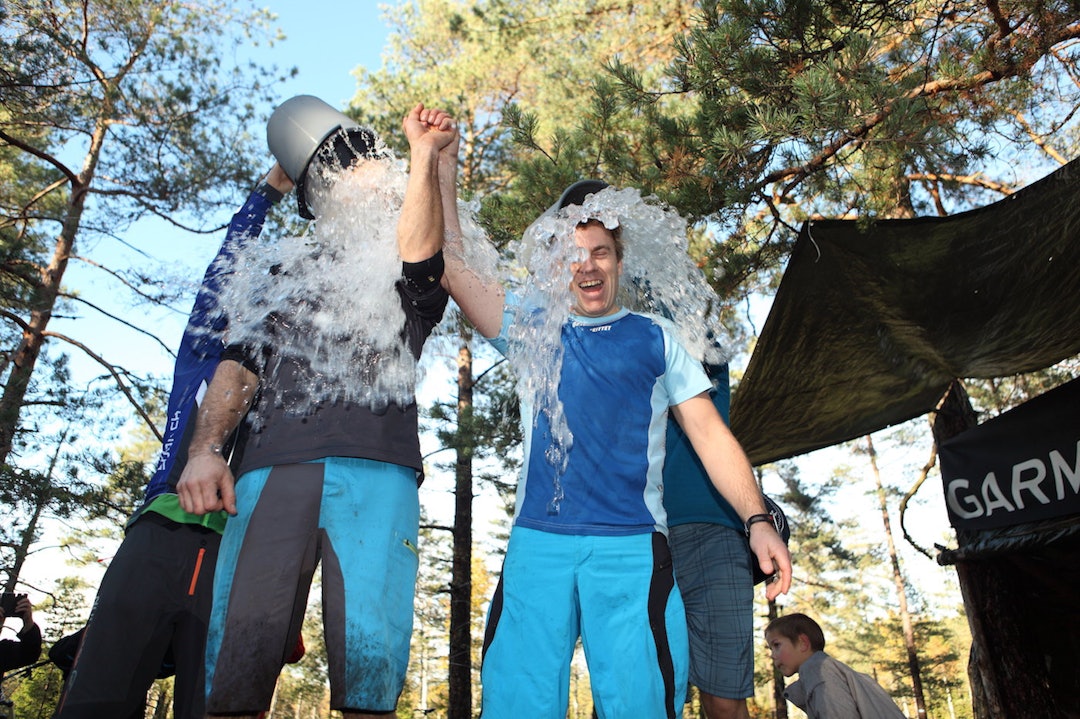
<point>154,599</point>
<point>713,570</point>
<point>592,560</point>
<point>325,479</point>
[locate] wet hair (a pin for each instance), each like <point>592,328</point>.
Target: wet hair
<point>616,234</point>
<point>575,194</point>
<point>343,148</point>
<point>339,151</point>
<point>793,626</point>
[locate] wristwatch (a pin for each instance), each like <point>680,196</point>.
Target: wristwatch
<point>754,519</point>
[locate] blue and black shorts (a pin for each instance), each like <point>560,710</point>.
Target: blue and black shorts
<point>360,519</point>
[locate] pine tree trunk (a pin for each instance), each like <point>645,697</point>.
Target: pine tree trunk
<point>25,357</point>
<point>1006,671</point>
<point>459,699</point>
<point>901,588</point>
<point>163,706</point>
<point>779,701</point>
<point>43,302</point>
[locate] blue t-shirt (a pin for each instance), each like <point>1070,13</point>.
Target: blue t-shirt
<point>620,374</point>
<point>689,494</point>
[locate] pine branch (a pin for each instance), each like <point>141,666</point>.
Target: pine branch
<point>116,377</point>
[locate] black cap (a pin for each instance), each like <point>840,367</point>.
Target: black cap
<point>577,192</point>
<point>338,152</point>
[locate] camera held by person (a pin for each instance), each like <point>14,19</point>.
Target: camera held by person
<point>26,648</point>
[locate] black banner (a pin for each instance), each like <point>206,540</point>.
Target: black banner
<point>1021,466</point>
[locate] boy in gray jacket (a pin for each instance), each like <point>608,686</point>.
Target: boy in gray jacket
<point>827,688</point>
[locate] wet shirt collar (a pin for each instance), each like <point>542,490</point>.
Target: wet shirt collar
<point>582,320</point>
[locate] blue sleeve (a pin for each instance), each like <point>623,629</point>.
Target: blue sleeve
<point>201,345</point>
<point>246,225</point>
<point>501,341</point>
<point>684,377</point>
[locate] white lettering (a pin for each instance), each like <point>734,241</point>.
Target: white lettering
<point>166,452</point>
<point>1019,484</point>
<point>1024,488</point>
<point>997,500</point>
<point>1062,472</point>
<point>956,502</point>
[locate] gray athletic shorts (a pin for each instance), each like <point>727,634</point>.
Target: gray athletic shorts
<point>712,568</point>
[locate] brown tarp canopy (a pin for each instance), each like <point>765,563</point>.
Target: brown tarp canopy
<point>871,322</point>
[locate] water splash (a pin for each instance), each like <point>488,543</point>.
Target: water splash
<point>658,277</point>
<point>327,299</point>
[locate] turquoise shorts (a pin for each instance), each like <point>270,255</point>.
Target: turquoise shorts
<point>360,518</point>
<point>618,594</point>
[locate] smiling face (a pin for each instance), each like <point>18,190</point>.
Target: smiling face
<point>595,282</point>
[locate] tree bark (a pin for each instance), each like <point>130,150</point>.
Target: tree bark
<point>459,695</point>
<point>43,302</point>
<point>901,588</point>
<point>1006,671</point>
<point>779,700</point>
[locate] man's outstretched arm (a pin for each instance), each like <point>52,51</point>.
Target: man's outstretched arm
<point>733,476</point>
<point>480,299</point>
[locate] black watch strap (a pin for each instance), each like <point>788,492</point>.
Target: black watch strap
<point>754,519</point>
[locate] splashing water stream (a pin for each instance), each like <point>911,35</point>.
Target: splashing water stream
<point>336,285</point>
<point>327,299</point>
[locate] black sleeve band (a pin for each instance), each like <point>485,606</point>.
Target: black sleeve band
<point>422,277</point>
<point>244,355</point>
<point>270,192</point>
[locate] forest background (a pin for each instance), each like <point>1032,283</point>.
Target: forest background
<point>129,133</point>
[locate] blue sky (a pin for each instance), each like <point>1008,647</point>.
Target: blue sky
<point>326,40</point>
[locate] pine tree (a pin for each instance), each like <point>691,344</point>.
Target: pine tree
<point>111,110</point>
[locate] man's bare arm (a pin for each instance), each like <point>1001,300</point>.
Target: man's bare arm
<point>481,300</point>
<point>420,228</point>
<point>206,484</point>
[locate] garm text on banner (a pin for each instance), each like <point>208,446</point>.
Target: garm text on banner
<point>1019,467</point>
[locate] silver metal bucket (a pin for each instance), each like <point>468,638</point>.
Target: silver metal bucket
<point>297,129</point>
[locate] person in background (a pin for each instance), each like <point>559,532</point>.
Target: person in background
<point>826,688</point>
<point>713,569</point>
<point>152,608</point>
<point>26,647</point>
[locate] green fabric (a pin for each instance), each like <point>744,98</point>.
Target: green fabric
<point>168,505</point>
